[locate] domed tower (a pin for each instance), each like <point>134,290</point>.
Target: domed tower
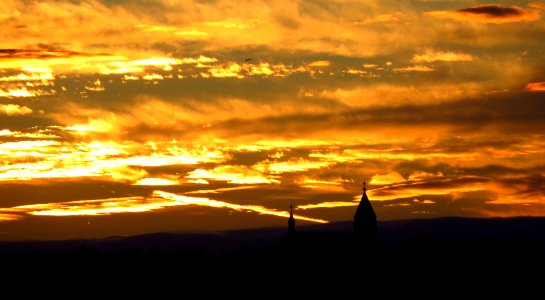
<point>365,220</point>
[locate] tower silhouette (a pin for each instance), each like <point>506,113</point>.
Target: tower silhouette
<point>365,220</point>
<point>291,222</point>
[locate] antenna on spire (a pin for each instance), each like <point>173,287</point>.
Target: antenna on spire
<point>364,188</point>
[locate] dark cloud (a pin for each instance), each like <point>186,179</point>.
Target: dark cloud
<point>45,52</point>
<point>512,112</point>
<point>529,185</point>
<point>493,10</point>
<point>491,13</point>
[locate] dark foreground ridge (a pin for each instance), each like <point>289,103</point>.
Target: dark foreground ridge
<point>422,238</point>
<point>512,233</point>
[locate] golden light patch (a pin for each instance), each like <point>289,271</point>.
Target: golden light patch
<point>156,181</point>
<point>431,55</point>
<point>14,109</point>
<point>331,204</point>
<point>320,63</point>
<point>389,178</point>
<point>415,68</point>
<point>535,87</point>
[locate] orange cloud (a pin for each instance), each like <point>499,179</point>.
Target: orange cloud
<point>294,165</point>
<point>381,19</point>
<point>231,174</point>
<point>9,217</point>
<point>320,63</point>
<point>230,70</point>
<point>490,13</point>
<point>19,93</point>
<point>535,87</point>
<point>430,56</point>
<point>14,109</point>
<point>31,74</point>
<point>438,187</point>
<point>415,68</point>
<point>392,177</point>
<point>40,134</point>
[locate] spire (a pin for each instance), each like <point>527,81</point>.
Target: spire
<point>291,211</point>
<point>365,219</point>
<point>291,222</point>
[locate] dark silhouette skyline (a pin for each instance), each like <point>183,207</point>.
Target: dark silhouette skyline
<point>364,230</point>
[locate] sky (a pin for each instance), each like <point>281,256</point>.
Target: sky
<point>129,117</point>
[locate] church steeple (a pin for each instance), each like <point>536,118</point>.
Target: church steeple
<point>291,222</point>
<point>365,219</point>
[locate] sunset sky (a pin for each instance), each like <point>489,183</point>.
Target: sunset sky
<point>127,117</point>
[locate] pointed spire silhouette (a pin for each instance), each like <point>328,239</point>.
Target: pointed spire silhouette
<point>291,222</point>
<point>365,219</point>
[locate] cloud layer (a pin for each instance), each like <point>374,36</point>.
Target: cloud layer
<point>123,117</point>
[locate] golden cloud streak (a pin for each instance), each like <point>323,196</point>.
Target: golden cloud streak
<point>19,93</point>
<point>31,74</point>
<point>9,217</point>
<point>431,55</point>
<point>40,134</point>
<point>26,160</point>
<point>320,63</point>
<point>219,204</point>
<point>329,204</point>
<point>407,190</point>
<point>97,207</point>
<point>415,68</point>
<point>156,181</point>
<point>159,200</point>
